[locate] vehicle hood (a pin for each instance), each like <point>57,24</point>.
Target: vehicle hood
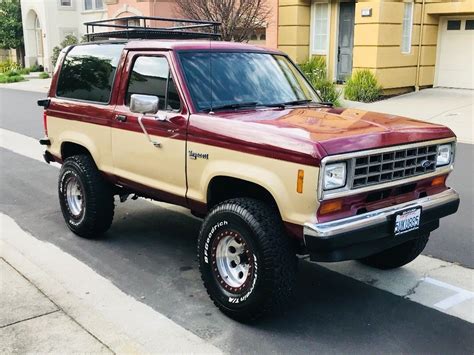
<point>322,131</point>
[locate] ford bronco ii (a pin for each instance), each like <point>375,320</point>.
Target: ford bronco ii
<point>236,134</point>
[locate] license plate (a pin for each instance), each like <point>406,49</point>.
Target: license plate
<point>407,221</point>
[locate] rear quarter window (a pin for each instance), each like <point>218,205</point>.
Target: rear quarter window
<point>88,72</point>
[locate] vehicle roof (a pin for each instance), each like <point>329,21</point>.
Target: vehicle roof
<point>197,45</point>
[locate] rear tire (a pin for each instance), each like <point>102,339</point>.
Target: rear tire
<point>247,263</point>
<point>397,256</point>
<point>86,199</point>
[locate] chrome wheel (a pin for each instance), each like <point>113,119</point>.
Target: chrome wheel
<point>233,261</point>
<point>74,196</point>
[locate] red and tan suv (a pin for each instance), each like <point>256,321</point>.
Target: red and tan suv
<point>236,134</point>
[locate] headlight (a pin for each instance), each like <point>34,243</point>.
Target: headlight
<point>444,155</point>
<point>334,176</point>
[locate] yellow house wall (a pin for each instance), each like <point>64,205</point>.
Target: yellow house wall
<point>293,28</point>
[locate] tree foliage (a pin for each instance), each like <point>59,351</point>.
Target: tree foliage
<point>67,41</point>
<point>239,18</point>
<point>11,30</point>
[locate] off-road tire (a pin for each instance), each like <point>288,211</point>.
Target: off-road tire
<point>97,209</point>
<point>273,259</point>
<point>397,256</point>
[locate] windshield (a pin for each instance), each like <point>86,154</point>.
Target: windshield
<point>237,79</point>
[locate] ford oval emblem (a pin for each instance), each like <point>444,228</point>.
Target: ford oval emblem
<point>426,163</point>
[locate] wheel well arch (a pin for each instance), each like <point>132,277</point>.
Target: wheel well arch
<point>69,149</point>
<point>222,188</point>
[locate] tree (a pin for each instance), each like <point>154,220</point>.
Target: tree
<point>239,18</point>
<point>11,30</point>
<point>67,41</point>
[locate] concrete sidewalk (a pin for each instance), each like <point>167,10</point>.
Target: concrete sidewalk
<point>31,322</point>
<point>31,84</point>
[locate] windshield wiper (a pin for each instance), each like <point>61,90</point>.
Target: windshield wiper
<point>232,106</point>
<point>289,103</point>
<point>297,102</point>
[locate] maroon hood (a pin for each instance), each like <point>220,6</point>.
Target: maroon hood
<point>315,132</point>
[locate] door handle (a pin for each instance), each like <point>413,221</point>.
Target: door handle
<point>121,118</point>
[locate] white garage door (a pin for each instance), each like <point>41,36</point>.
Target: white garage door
<point>454,67</point>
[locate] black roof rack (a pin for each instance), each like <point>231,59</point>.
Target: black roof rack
<point>145,27</point>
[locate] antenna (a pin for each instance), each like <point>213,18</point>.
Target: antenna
<point>211,112</point>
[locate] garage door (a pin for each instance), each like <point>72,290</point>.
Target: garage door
<point>454,67</point>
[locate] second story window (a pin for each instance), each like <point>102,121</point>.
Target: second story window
<point>65,3</point>
<point>407,27</point>
<point>93,4</point>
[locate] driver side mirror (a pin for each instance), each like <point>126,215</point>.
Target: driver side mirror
<point>144,104</point>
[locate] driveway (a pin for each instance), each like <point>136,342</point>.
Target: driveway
<point>450,107</point>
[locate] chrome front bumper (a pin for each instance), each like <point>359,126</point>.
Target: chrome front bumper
<point>328,229</point>
<point>370,233</point>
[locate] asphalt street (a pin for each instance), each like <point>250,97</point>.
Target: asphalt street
<point>149,253</point>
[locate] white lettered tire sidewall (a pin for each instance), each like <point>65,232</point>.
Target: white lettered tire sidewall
<point>252,294</point>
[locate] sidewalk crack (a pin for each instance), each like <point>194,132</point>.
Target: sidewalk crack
<point>412,290</point>
<point>30,318</point>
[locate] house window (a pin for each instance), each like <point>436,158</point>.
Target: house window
<point>93,4</point>
<point>469,25</point>
<point>320,28</point>
<point>407,27</point>
<point>454,25</point>
<point>66,3</point>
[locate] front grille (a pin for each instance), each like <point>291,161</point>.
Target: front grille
<point>393,165</point>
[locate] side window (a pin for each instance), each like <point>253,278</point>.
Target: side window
<point>88,72</point>
<point>152,76</point>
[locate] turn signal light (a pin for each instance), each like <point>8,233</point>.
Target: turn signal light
<point>299,181</point>
<point>330,206</point>
<point>438,181</point>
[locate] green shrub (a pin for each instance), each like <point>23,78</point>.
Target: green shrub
<point>35,68</point>
<point>8,65</point>
<point>44,75</point>
<point>10,79</point>
<point>362,86</point>
<point>11,73</point>
<point>24,71</point>
<point>315,70</point>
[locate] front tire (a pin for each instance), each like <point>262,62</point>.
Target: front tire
<point>397,256</point>
<point>247,263</point>
<point>87,201</point>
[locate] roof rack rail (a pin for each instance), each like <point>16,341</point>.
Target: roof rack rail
<point>145,27</point>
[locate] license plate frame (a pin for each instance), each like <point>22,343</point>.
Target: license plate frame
<point>407,221</point>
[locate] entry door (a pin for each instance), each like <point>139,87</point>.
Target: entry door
<point>153,161</point>
<point>345,40</point>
